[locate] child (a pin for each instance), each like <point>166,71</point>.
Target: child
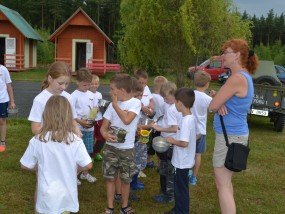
<point>147,100</point>
<point>56,153</point>
<point>6,95</point>
<point>168,128</point>
<point>55,83</point>
<point>184,150</point>
<point>118,158</point>
<point>200,111</point>
<point>85,102</point>
<point>159,107</point>
<point>100,141</point>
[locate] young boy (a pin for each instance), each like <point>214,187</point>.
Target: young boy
<point>159,108</point>
<point>85,101</point>
<point>100,141</point>
<point>168,128</point>
<point>147,99</point>
<point>184,150</point>
<point>6,95</point>
<point>118,158</point>
<point>200,111</point>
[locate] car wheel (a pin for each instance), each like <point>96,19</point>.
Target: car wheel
<point>267,80</point>
<point>279,123</point>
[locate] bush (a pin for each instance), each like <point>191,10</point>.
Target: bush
<point>45,48</point>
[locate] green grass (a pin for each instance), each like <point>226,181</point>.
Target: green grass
<point>259,189</point>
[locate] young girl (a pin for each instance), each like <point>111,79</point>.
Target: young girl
<point>55,82</point>
<point>56,153</point>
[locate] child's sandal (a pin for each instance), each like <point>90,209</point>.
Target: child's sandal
<point>127,210</point>
<point>108,211</point>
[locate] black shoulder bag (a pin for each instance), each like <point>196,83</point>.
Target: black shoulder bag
<point>236,158</point>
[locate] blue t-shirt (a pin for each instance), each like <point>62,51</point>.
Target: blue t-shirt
<point>236,119</point>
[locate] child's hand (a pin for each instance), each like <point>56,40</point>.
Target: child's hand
<point>86,124</point>
<point>157,128</point>
<point>110,137</point>
<point>169,140</point>
<point>212,93</point>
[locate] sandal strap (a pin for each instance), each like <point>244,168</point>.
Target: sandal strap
<point>128,210</point>
<point>108,211</point>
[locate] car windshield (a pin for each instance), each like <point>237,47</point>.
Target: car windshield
<point>205,62</point>
<point>279,69</point>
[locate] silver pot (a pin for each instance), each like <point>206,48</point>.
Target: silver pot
<point>103,103</point>
<point>159,144</point>
<point>146,121</point>
<point>119,132</point>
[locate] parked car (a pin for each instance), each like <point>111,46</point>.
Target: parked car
<point>214,66</point>
<point>280,72</point>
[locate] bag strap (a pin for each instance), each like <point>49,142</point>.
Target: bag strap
<point>225,132</point>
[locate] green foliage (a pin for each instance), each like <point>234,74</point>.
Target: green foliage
<point>275,53</point>
<point>45,48</point>
<point>168,34</point>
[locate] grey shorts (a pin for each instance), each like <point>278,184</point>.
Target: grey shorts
<point>118,161</point>
<point>220,149</point>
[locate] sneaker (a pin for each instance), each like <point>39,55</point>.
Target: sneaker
<point>193,180</point>
<point>78,182</point>
<point>141,174</point>
<point>2,148</point>
<point>88,177</point>
<point>3,143</point>
<point>98,157</point>
<point>163,199</point>
<point>150,164</point>
<point>190,173</point>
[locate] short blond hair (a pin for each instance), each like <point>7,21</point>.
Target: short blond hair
<point>158,81</point>
<point>201,78</point>
<point>95,77</point>
<point>168,88</point>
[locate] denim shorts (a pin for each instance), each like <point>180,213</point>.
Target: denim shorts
<point>201,145</point>
<point>118,162</point>
<point>3,110</point>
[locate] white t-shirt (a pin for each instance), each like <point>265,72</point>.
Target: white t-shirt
<point>39,103</point>
<point>133,105</point>
<point>83,102</point>
<point>171,118</point>
<point>147,96</point>
<point>159,105</point>
<point>184,157</point>
<point>98,96</point>
<point>57,173</point>
<point>200,110</point>
<point>4,80</point>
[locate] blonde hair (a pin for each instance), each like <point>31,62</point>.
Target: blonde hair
<point>56,70</point>
<point>158,81</point>
<point>84,75</point>
<point>57,121</point>
<point>168,88</point>
<point>201,78</point>
<point>95,77</point>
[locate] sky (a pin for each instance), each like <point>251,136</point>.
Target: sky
<point>260,7</point>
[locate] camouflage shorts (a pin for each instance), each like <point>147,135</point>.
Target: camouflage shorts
<point>118,161</point>
<point>140,156</point>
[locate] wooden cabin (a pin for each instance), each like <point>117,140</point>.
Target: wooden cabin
<point>18,41</point>
<point>81,43</point>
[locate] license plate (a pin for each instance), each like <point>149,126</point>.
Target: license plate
<point>259,112</point>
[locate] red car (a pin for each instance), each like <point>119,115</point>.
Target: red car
<point>214,66</point>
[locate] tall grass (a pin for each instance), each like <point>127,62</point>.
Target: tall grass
<point>259,189</point>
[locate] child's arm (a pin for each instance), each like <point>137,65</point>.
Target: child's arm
<point>84,168</point>
<point>36,127</point>
<point>177,142</point>
<point>84,123</point>
<point>30,169</point>
<point>106,133</point>
<point>171,129</point>
<point>140,126</point>
<point>126,117</point>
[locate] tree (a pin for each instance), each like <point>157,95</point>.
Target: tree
<point>168,34</point>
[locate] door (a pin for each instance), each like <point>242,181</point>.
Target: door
<point>80,58</point>
<point>89,51</point>
<point>2,50</point>
<point>10,49</point>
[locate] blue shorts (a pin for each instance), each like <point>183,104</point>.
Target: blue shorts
<point>3,110</point>
<point>88,140</point>
<point>201,145</point>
